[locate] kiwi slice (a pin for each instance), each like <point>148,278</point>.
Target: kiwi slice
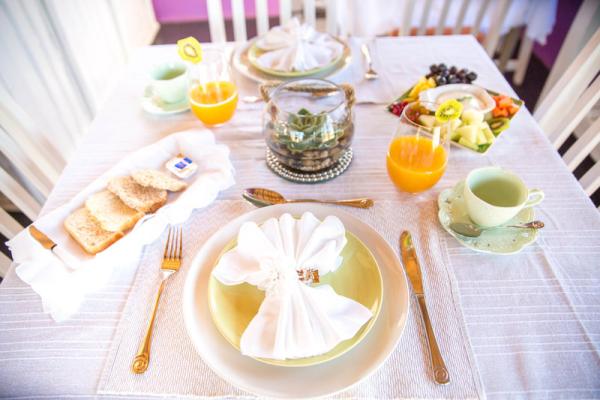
<point>448,111</point>
<point>498,125</point>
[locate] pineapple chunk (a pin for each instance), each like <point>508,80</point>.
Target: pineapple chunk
<point>487,131</point>
<point>468,132</point>
<point>472,117</point>
<point>468,144</point>
<point>481,138</point>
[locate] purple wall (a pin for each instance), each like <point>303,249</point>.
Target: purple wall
<point>567,9</point>
<point>195,10</point>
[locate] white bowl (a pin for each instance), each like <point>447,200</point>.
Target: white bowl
<point>485,102</point>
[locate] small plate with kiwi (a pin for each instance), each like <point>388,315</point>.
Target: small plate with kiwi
<point>474,130</point>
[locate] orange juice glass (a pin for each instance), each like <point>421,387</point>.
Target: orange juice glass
<point>213,94</point>
<point>418,154</point>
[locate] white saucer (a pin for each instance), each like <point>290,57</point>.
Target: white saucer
<point>313,381</point>
<point>154,105</point>
<point>496,241</point>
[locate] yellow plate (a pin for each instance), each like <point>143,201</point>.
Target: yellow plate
<point>358,278</point>
<point>254,52</point>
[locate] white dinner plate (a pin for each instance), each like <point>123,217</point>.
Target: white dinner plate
<point>319,380</point>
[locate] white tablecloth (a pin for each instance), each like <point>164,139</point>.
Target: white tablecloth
<point>533,319</point>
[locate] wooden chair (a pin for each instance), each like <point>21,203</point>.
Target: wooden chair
<point>217,23</point>
<point>567,104</point>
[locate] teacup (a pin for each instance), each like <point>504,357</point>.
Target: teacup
<point>169,81</point>
<point>493,196</point>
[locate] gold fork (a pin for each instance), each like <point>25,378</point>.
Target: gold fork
<point>170,264</point>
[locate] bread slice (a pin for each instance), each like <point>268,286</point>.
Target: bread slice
<point>144,199</point>
<point>158,180</point>
<point>112,214</point>
<point>88,233</point>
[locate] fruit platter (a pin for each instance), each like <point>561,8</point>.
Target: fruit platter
<point>486,114</point>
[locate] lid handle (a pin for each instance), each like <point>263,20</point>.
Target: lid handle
<point>267,88</point>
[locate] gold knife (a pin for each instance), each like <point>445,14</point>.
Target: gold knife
<point>413,270</point>
<point>47,243</point>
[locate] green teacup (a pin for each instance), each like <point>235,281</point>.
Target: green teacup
<point>169,81</point>
<point>493,196</point>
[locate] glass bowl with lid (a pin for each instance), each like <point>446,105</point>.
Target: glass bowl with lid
<point>308,123</point>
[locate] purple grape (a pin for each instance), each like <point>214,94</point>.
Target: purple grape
<point>440,80</point>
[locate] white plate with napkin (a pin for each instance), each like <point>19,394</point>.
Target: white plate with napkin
<point>63,288</point>
<point>321,290</point>
<point>317,380</point>
<point>291,51</point>
<point>294,49</point>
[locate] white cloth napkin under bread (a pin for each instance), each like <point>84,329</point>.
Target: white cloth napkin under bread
<point>63,288</point>
<point>295,319</point>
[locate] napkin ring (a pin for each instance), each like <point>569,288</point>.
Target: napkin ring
<point>308,275</point>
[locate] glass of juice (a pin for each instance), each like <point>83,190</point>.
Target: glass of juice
<point>418,153</point>
<point>212,93</point>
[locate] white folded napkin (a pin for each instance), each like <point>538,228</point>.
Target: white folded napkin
<point>297,47</point>
<point>295,320</point>
<point>62,288</point>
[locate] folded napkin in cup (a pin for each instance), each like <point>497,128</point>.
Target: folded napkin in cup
<point>295,320</point>
<point>297,47</point>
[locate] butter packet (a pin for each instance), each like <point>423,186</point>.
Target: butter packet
<point>181,166</point>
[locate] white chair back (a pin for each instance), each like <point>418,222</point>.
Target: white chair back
<point>4,265</point>
<point>568,103</point>
<point>28,148</point>
<point>9,226</point>
<point>19,196</point>
<point>31,164</point>
<point>217,22</point>
<point>586,22</point>
<point>496,11</point>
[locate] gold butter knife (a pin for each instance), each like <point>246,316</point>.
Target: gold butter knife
<point>413,270</point>
<point>47,243</point>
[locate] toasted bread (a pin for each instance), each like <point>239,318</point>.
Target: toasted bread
<point>158,180</point>
<point>141,198</point>
<point>88,233</point>
<point>112,214</point>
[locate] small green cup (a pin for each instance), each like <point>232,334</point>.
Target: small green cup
<point>169,81</point>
